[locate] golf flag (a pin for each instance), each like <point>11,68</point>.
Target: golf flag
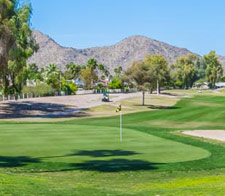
<point>118,109</point>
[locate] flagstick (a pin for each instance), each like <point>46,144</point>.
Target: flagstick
<point>121,136</point>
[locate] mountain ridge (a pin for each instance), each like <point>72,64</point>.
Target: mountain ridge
<point>123,53</point>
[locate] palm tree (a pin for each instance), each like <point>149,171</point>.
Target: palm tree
<point>51,69</point>
<point>101,67</point>
<point>73,69</point>
<point>118,71</point>
<point>92,65</point>
<point>106,73</point>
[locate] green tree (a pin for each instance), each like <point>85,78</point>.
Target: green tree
<point>33,72</point>
<point>185,71</point>
<point>16,43</point>
<point>116,83</point>
<point>138,75</point>
<point>214,69</point>
<point>69,87</point>
<point>158,70</point>
<point>92,64</point>
<point>94,67</point>
<point>101,67</point>
<point>52,76</point>
<point>51,69</point>
<point>73,70</point>
<point>89,77</point>
<point>118,71</point>
<point>106,73</point>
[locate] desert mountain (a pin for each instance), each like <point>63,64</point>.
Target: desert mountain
<point>131,49</point>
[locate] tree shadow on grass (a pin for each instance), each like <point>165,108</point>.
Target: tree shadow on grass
<point>6,161</point>
<point>31,109</point>
<point>115,165</point>
<point>159,106</point>
<point>97,153</point>
<point>162,107</point>
<point>112,165</point>
<point>169,94</point>
<point>104,153</point>
<point>27,164</point>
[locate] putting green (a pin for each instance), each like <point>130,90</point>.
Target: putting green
<point>51,144</point>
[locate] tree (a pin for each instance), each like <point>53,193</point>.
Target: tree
<point>92,65</point>
<point>89,77</point>
<point>16,43</point>
<point>51,69</point>
<point>33,72</point>
<point>185,71</point>
<point>106,73</point>
<point>101,67</point>
<point>116,83</point>
<point>52,76</point>
<point>158,70</point>
<point>138,75</point>
<point>118,71</point>
<point>73,70</point>
<point>69,87</point>
<point>214,69</point>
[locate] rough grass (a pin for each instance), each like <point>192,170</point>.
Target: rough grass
<point>133,105</point>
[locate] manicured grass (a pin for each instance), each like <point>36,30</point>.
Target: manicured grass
<point>70,147</point>
<point>85,157</point>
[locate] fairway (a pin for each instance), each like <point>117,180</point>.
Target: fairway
<point>76,157</point>
<point>66,147</point>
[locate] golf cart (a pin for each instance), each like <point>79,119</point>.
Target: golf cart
<point>105,97</point>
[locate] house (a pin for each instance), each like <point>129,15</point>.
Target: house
<point>78,82</point>
<point>220,85</point>
<point>201,85</point>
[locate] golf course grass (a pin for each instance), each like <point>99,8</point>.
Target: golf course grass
<point>85,156</point>
<point>68,147</point>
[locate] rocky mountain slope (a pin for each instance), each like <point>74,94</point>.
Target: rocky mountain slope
<point>131,49</point>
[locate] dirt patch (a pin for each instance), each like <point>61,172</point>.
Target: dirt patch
<point>57,107</point>
<point>208,134</point>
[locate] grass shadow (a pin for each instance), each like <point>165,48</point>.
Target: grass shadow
<point>30,109</point>
<point>104,153</point>
<point>158,106</point>
<point>112,165</point>
<point>6,161</point>
<point>97,153</point>
<point>169,94</point>
<point>115,165</point>
<point>162,107</point>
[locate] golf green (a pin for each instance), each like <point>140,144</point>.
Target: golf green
<point>53,147</point>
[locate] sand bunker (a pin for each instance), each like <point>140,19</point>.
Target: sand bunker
<point>208,134</point>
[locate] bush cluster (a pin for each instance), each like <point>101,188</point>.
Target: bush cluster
<point>39,90</point>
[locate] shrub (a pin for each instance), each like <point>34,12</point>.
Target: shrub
<point>39,90</point>
<point>69,87</point>
<point>72,88</point>
<point>116,83</point>
<point>223,79</point>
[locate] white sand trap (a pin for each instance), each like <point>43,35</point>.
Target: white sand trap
<point>208,134</point>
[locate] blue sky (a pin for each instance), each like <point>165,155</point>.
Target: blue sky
<point>198,25</point>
